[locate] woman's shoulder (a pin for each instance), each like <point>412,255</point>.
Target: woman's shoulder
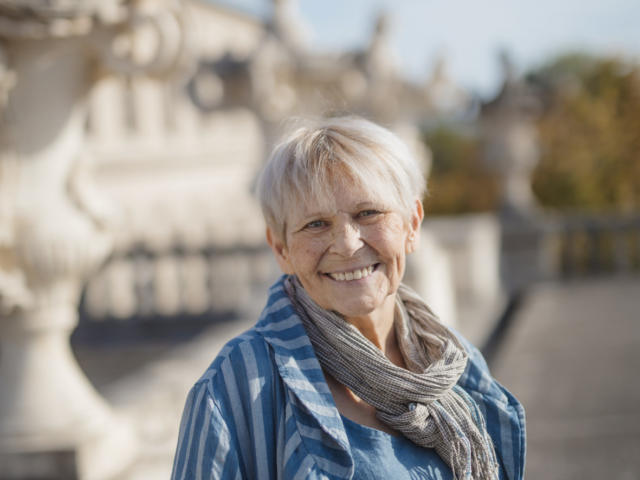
<point>241,359</point>
<point>254,354</point>
<point>477,377</point>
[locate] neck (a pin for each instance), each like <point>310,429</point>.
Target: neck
<point>378,327</point>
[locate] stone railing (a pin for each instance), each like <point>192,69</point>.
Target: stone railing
<point>195,283</point>
<point>175,281</point>
<point>586,245</point>
<point>180,283</point>
<point>571,245</point>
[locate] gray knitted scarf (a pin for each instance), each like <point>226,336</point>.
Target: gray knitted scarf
<point>423,401</point>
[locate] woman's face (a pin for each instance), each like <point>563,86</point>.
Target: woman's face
<point>350,258</point>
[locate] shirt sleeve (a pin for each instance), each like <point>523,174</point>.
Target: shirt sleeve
<point>206,446</point>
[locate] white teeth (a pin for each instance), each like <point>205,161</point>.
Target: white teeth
<point>353,275</point>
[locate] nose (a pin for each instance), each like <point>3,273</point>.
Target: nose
<point>346,238</point>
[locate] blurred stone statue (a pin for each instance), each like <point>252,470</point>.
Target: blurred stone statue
<point>511,143</point>
<point>54,227</point>
<point>445,97</point>
<point>512,152</point>
<point>289,26</point>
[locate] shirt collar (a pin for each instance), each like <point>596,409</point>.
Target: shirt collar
<point>297,364</point>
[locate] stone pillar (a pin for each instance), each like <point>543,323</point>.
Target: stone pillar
<point>53,233</point>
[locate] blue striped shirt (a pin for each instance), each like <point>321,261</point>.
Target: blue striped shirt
<point>263,410</point>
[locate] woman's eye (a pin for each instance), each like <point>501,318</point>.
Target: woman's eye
<point>315,224</point>
<point>368,213</point>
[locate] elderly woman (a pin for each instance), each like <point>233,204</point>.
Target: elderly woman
<point>347,373</point>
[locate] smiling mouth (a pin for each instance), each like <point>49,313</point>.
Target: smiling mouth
<point>356,274</point>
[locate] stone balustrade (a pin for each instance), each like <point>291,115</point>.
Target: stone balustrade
<point>177,284</point>
<point>586,245</point>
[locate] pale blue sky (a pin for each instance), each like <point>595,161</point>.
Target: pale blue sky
<point>470,32</point>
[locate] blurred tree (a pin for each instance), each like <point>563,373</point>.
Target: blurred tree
<point>589,134</point>
<point>458,182</point>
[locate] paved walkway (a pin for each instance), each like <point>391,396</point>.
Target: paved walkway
<point>572,356</point>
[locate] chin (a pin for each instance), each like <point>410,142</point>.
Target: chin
<point>356,310</point>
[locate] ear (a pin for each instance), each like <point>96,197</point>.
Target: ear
<point>413,235</point>
<point>280,251</point>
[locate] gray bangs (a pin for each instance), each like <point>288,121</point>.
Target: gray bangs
<point>311,163</point>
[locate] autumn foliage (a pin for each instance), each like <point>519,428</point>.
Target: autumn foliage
<point>589,137</point>
<point>589,134</point>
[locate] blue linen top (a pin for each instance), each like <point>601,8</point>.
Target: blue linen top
<point>376,454</point>
<point>263,410</point>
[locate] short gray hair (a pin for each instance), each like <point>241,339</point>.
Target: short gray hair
<point>317,153</point>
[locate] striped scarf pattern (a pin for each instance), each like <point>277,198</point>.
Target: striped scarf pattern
<point>423,401</point>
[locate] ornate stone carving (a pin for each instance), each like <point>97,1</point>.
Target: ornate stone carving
<point>54,227</point>
<point>39,19</point>
<point>151,40</point>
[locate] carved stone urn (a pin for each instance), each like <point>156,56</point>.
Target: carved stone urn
<point>54,232</point>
